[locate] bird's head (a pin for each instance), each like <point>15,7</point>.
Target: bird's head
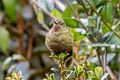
<point>58,21</point>
<point>58,24</point>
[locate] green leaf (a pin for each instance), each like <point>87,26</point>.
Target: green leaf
<point>71,22</point>
<point>10,9</point>
<point>6,63</point>
<point>67,16</point>
<point>95,78</point>
<point>91,21</point>
<point>104,29</point>
<point>102,2</point>
<point>94,2</point>
<point>4,38</point>
<point>107,13</point>
<point>90,74</point>
<point>91,65</point>
<point>52,77</point>
<point>99,72</point>
<point>68,12</point>
<point>115,1</point>
<point>114,40</point>
<point>80,73</point>
<point>78,34</point>
<point>56,13</point>
<point>18,57</point>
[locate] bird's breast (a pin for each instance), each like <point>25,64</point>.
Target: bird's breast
<point>58,41</point>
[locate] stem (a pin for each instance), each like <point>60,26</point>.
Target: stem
<point>75,13</point>
<point>116,33</point>
<point>20,39</point>
<point>77,77</point>
<point>14,31</point>
<point>60,5</point>
<point>62,70</point>
<point>105,58</point>
<point>29,52</point>
<point>75,62</point>
<point>76,49</point>
<point>111,73</point>
<point>44,26</point>
<point>77,16</point>
<point>84,7</point>
<point>98,55</point>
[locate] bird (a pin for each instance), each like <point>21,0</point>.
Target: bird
<point>60,39</point>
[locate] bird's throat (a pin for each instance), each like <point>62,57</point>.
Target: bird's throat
<point>56,27</point>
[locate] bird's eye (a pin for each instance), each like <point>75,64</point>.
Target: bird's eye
<point>62,24</point>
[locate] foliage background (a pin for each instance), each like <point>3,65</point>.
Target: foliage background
<point>95,25</point>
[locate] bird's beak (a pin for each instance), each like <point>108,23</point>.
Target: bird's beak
<point>54,21</point>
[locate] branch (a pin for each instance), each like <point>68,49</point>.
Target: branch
<point>75,13</point>
<point>30,42</point>
<point>116,26</point>
<point>14,31</point>
<point>20,27</point>
<point>33,2</point>
<point>44,26</point>
<point>83,7</point>
<point>117,34</point>
<point>60,5</point>
<point>98,55</point>
<point>111,73</point>
<point>62,70</point>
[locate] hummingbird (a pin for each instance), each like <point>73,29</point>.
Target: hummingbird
<point>60,39</point>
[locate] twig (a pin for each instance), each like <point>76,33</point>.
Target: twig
<point>75,62</point>
<point>76,49</point>
<point>117,34</point>
<point>37,11</point>
<point>105,59</point>
<point>116,26</point>
<point>111,73</point>
<point>84,27</point>
<point>75,13</point>
<point>42,32</point>
<point>14,31</point>
<point>84,7</point>
<point>62,70</point>
<point>98,55</point>
<point>29,52</point>
<point>45,11</point>
<point>20,39</point>
<point>44,26</point>
<point>60,5</point>
<point>77,16</point>
<point>77,77</point>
